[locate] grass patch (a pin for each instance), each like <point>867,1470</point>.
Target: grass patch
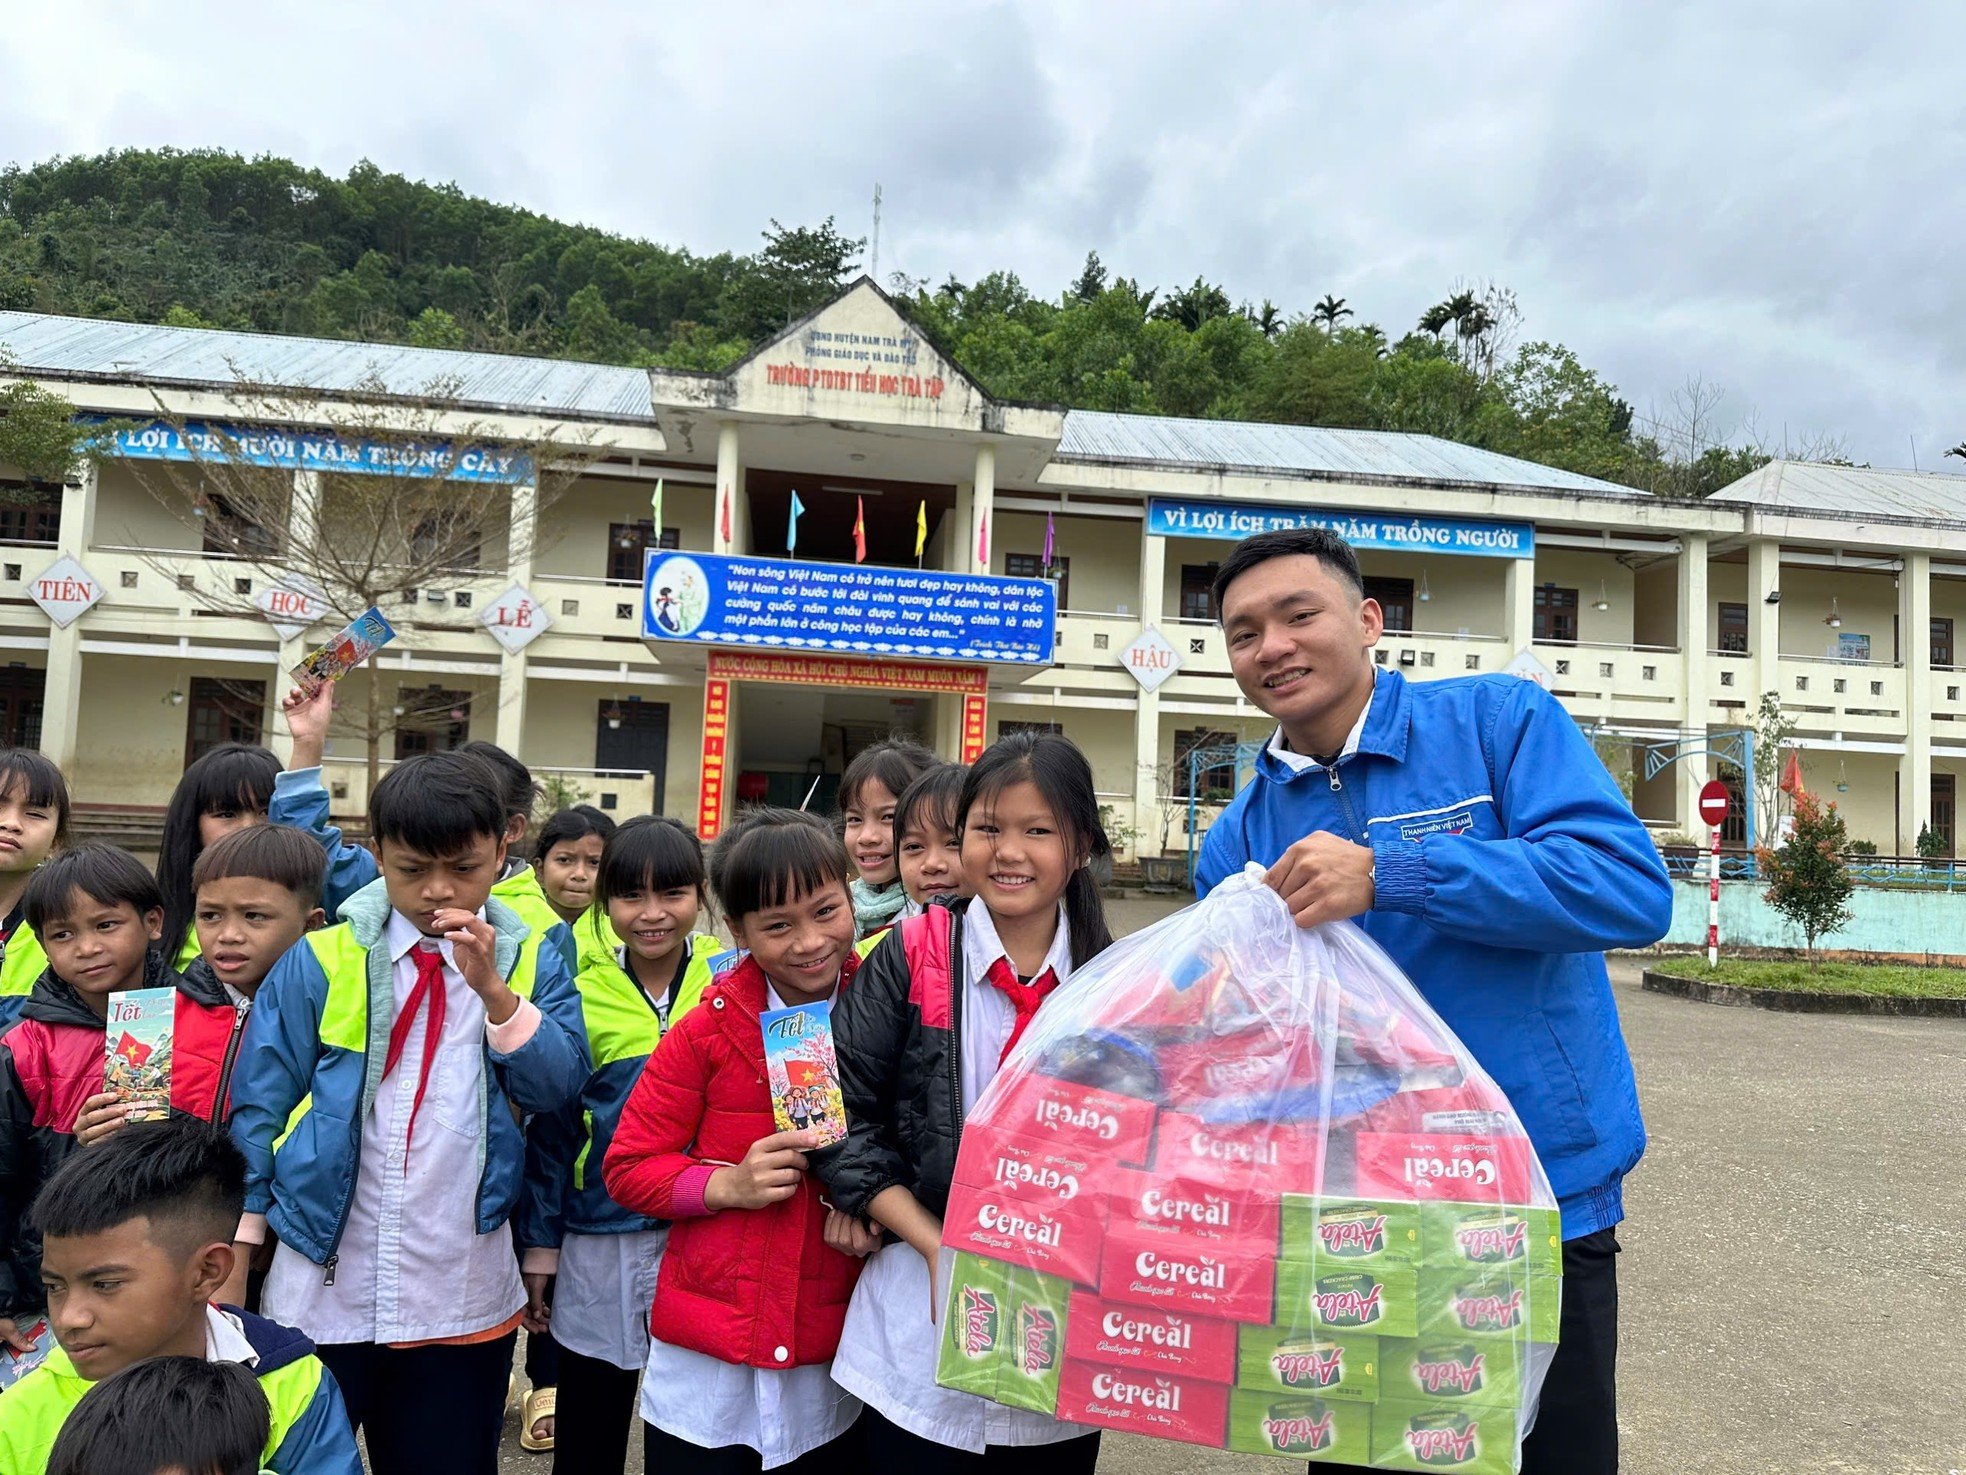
<point>1891,980</point>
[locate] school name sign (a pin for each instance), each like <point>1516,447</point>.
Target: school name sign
<point>1234,521</point>
<point>303,450</point>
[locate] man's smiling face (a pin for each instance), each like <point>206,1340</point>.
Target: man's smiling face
<point>1299,638</point>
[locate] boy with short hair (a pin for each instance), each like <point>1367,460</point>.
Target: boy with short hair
<point>374,1101</point>
<point>137,1235</point>
<point>167,1416</point>
<point>99,914</point>
<point>257,892</point>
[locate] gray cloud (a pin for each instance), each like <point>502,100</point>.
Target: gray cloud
<point>1765,195</point>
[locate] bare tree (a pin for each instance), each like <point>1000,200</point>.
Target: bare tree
<point>402,507</point>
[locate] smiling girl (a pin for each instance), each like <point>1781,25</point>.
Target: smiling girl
<point>33,824</point>
<point>920,1034</point>
<point>870,790</point>
<point>600,1258</point>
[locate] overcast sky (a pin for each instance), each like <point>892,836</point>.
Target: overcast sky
<point>1773,200</point>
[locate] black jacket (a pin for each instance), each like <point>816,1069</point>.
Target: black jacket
<point>898,1029</point>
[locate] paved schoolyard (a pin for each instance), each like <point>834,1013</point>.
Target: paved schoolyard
<point>1794,1281</point>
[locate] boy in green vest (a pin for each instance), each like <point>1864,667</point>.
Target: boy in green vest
<point>136,1237</point>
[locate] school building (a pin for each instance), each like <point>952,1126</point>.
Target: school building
<point>1062,579</point>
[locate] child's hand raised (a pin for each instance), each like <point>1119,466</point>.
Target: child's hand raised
<point>473,942</point>
<point>768,1175</point>
<point>308,715</point>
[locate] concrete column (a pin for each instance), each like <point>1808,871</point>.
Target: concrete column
<point>982,509</point>
<point>1915,653</point>
<point>1147,774</point>
<point>62,697</point>
<point>1764,622</point>
<point>1694,643</point>
<point>1519,605</point>
<point>303,528</point>
<point>954,528</point>
<point>730,491</point>
<point>513,665</point>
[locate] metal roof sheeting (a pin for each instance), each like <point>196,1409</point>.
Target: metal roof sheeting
<point>1302,450</point>
<point>90,347</point>
<point>1850,491</point>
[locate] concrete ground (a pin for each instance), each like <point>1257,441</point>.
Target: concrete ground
<point>1794,1276</point>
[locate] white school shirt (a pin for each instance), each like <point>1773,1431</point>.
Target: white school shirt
<point>411,1266</point>
<point>601,1299</point>
<point>889,1346</point>
<point>782,1413</point>
<point>1298,762</point>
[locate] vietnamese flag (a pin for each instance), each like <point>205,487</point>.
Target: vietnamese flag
<point>859,529</point>
<point>132,1049</point>
<point>804,1073</point>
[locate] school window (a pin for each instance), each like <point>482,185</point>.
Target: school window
<point>450,539</point>
<point>1941,642</point>
<point>1555,616</point>
<point>1031,566</point>
<point>430,719</point>
<point>222,712</point>
<point>1218,776</point>
<point>29,512</point>
<point>1198,591</point>
<point>21,692</point>
<point>227,530</point>
<point>1733,629</point>
<point>628,546</point>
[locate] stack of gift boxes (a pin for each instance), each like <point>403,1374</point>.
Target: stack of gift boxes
<point>1358,1296</point>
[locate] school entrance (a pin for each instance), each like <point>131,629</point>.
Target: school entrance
<point>780,729</point>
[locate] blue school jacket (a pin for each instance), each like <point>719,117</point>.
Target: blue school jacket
<point>1506,861</point>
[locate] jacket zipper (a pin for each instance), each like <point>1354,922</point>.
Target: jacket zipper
<point>1345,803</point>
<point>229,1059</point>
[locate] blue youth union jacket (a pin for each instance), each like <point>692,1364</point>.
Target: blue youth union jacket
<point>1506,862</point>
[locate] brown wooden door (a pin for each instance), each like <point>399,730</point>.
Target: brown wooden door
<point>20,706</point>
<point>222,711</point>
<point>1555,616</point>
<point>1944,806</point>
<point>1941,641</point>
<point>1733,629</point>
<point>1395,598</point>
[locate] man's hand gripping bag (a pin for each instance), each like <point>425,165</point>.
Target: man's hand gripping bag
<point>1239,1186</point>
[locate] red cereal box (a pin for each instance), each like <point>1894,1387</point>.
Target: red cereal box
<point>1058,1237</point>
<point>1428,1165</point>
<point>1196,1209</point>
<point>1078,1118</point>
<point>1142,1402</point>
<point>1230,1281</point>
<point>1283,1156</point>
<point>1122,1335</point>
<point>1033,1169</point>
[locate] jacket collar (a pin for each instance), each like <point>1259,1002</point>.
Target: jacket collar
<point>1387,727</point>
<point>201,984</point>
<point>367,915</point>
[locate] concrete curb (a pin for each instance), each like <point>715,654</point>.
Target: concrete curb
<point>1785,1001</point>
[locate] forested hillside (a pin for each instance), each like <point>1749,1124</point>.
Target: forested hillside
<point>210,238</point>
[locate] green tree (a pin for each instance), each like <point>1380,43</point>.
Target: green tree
<point>798,270</point>
<point>39,436</point>
<point>1329,311</point>
<point>1808,879</point>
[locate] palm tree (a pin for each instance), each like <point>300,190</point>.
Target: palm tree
<point>1435,319</point>
<point>1268,319</point>
<point>1329,311</point>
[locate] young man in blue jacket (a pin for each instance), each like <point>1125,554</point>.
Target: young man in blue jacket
<point>376,1099</point>
<point>1469,828</point>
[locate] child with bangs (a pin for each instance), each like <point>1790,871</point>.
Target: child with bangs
<point>930,1018</point>
<point>870,789</point>
<point>928,847</point>
<point>33,824</point>
<point>758,1270</point>
<point>567,858</point>
<point>590,1264</point>
<point>226,790</point>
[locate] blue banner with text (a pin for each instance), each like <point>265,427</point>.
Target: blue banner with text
<point>317,450</point>
<point>786,604</point>
<point>1380,530</point>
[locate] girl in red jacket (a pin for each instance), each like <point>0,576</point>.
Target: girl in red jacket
<point>758,1271</point>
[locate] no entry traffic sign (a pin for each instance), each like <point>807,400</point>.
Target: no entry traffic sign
<point>1714,801</point>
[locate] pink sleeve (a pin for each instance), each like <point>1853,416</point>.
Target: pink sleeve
<point>686,1196</point>
<point>513,1034</point>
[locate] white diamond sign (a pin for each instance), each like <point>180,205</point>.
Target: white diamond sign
<point>515,619</point>
<point>290,606</point>
<point>1529,667</point>
<point>65,590</point>
<point>1150,659</point>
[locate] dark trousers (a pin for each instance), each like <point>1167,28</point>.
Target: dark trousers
<point>665,1454</point>
<point>596,1412</point>
<point>885,1445</point>
<point>425,1410</point>
<point>1576,1429</point>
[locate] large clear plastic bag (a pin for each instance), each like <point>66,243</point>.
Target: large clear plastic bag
<point>1239,1186</point>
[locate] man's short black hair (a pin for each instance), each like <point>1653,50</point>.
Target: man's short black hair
<point>185,1176</point>
<point>439,803</point>
<point>102,871</point>
<point>181,1414</point>
<point>1320,543</point>
<point>772,856</point>
<point>291,859</point>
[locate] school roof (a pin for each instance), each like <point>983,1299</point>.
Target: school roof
<point>1851,491</point>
